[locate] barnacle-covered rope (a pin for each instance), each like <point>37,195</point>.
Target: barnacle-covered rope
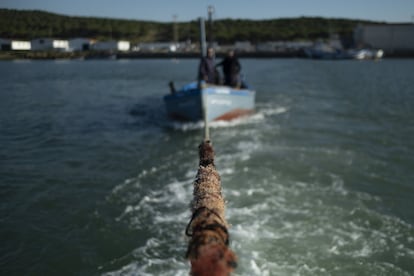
<point>208,248</point>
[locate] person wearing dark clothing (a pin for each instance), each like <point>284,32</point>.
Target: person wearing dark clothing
<point>207,70</point>
<point>231,69</point>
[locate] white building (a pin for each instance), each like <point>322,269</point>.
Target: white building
<point>389,37</point>
<point>281,46</point>
<point>243,46</point>
<point>79,44</point>
<point>14,45</point>
<point>18,45</point>
<point>157,47</point>
<point>42,44</point>
<point>111,45</point>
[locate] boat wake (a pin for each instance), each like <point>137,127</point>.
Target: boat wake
<point>281,225</point>
<point>258,117</point>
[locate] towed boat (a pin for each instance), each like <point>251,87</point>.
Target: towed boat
<point>194,102</point>
<point>199,101</point>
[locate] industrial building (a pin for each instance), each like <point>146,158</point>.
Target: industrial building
<point>394,39</point>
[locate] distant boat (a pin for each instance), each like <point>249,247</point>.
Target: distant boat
<point>330,50</point>
<point>344,54</point>
<point>367,54</point>
<point>327,54</point>
<point>215,102</point>
<point>334,50</point>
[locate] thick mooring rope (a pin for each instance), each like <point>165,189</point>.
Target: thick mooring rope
<point>208,249</point>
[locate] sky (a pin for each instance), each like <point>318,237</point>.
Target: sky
<point>391,11</point>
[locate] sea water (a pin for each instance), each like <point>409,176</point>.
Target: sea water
<point>96,180</point>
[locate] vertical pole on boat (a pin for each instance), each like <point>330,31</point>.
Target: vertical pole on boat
<point>203,46</point>
<point>203,53</point>
<point>210,10</point>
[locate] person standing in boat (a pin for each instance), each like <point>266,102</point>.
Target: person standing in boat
<point>207,69</point>
<point>231,69</point>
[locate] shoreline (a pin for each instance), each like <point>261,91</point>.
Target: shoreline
<point>52,55</point>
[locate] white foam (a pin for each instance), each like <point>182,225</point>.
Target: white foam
<point>186,126</point>
<point>227,171</point>
<point>244,120</point>
<point>274,111</point>
<point>256,270</point>
<point>310,220</point>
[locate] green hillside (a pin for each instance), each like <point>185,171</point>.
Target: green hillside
<point>19,24</point>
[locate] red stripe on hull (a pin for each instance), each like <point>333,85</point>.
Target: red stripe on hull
<point>234,114</point>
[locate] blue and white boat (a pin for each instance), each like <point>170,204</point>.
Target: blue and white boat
<point>206,102</point>
<point>192,102</point>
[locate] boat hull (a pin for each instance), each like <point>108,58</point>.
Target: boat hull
<point>219,103</point>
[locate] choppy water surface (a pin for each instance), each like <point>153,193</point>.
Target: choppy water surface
<point>96,181</point>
